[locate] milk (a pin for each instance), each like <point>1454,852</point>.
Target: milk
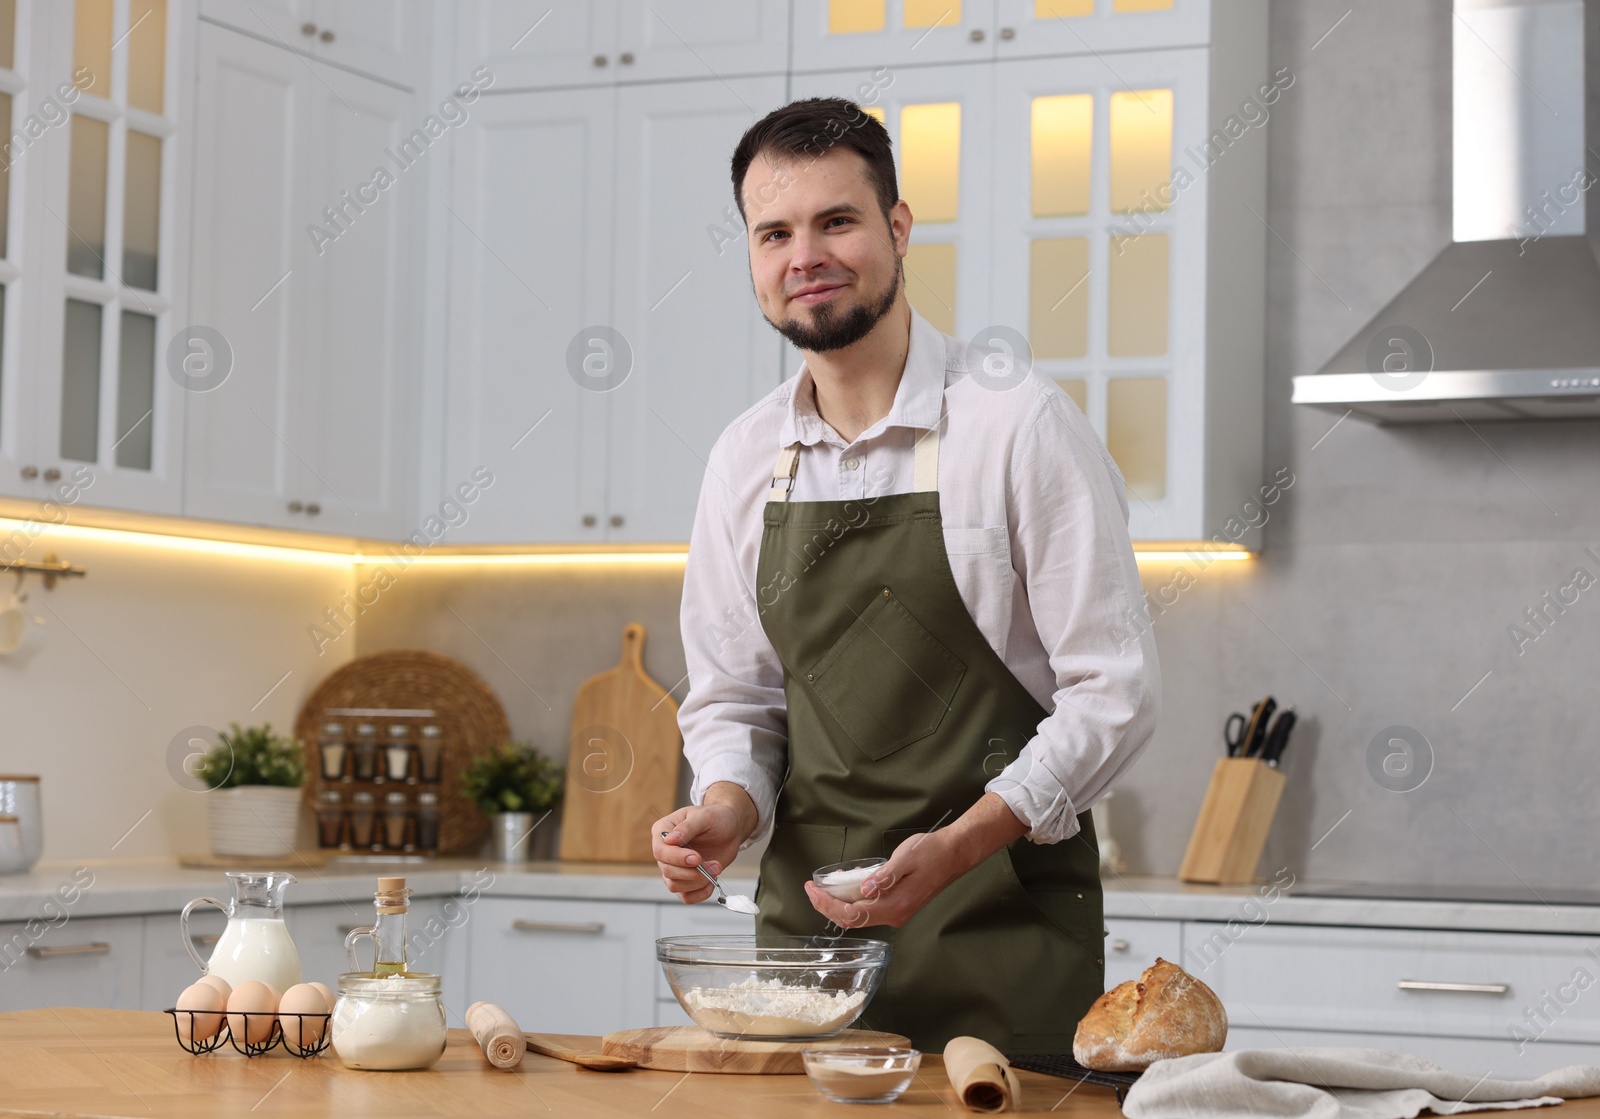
<point>256,948</point>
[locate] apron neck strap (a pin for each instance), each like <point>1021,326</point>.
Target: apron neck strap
<point>925,466</point>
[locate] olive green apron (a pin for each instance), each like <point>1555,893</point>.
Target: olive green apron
<point>899,713</point>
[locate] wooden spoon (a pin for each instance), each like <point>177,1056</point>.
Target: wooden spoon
<point>551,1045</point>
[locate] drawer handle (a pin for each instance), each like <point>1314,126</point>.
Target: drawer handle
<point>1120,945</point>
<point>1459,988</point>
<point>204,940</point>
<point>590,928</point>
<point>95,949</point>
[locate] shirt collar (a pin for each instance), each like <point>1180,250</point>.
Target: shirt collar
<point>918,399</point>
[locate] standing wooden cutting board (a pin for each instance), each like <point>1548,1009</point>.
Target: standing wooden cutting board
<point>622,761</point>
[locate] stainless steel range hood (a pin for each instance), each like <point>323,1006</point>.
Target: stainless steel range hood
<point>1505,328</point>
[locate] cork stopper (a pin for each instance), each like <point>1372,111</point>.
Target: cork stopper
<point>392,894</point>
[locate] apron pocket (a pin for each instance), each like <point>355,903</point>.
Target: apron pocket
<point>887,681</point>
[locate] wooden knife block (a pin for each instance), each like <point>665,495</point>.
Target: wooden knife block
<point>1233,823</point>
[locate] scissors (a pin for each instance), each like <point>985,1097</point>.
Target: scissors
<point>1233,733</point>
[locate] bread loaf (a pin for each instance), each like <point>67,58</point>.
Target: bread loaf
<point>1165,1013</point>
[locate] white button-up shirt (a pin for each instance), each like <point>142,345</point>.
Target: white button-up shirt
<point>1036,527</point>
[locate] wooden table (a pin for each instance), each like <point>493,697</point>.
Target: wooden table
<point>72,1062</point>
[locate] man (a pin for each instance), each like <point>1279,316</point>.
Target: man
<point>902,615</point>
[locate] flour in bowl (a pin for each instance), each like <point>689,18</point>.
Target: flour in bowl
<point>770,1008</point>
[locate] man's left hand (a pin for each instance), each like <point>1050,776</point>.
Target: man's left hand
<point>922,866</point>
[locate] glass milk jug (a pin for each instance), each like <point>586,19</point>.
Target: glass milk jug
<point>256,943</point>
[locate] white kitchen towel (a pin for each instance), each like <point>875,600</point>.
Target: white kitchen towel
<point>1330,1083</point>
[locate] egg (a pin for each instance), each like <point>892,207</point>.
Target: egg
<point>326,994</point>
<point>220,984</point>
<point>303,999</point>
<point>260,1001</point>
<point>200,1026</point>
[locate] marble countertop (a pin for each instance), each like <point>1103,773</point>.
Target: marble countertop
<point>119,888</point>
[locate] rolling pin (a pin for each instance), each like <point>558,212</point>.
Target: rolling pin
<point>498,1036</point>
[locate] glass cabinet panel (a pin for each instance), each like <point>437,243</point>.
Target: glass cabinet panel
<point>141,211</point>
<point>86,198</point>
<point>1062,9</point>
<point>1062,144</point>
<point>1142,6</point>
<point>1078,389</point>
<point>80,382</point>
<point>147,54</point>
<point>1137,324</point>
<point>932,13</point>
<point>930,160</point>
<point>1141,149</point>
<point>847,17</point>
<point>1058,297</point>
<point>1136,432</point>
<point>136,384</point>
<point>91,43</point>
<point>931,283</point>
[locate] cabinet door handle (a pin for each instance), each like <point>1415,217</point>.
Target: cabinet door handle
<point>1459,988</point>
<point>295,506</point>
<point>1008,33</point>
<point>590,928</point>
<point>976,35</point>
<point>312,509</point>
<point>616,520</point>
<point>626,58</point>
<point>205,940</point>
<point>588,520</point>
<point>308,29</point>
<point>1120,945</point>
<point>600,60</point>
<point>95,949</point>
<point>30,472</point>
<point>52,475</point>
<point>326,36</point>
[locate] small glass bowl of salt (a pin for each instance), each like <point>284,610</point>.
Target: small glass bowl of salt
<point>843,880</point>
<point>861,1074</point>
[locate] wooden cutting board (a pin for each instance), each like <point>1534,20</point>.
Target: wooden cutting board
<point>692,1049</point>
<point>622,761</point>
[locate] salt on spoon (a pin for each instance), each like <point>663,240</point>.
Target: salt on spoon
<point>736,902</point>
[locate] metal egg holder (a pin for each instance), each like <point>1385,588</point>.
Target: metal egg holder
<point>199,1046</point>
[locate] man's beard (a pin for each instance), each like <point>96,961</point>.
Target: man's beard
<point>834,331</point>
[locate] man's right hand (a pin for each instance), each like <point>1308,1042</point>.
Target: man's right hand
<point>708,834</point>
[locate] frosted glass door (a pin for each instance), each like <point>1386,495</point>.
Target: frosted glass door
<point>890,34</point>
<point>1031,28</point>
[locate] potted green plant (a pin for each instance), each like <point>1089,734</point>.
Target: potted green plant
<point>513,784</point>
<point>254,778</point>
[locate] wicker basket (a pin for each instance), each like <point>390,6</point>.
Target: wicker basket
<point>465,709</point>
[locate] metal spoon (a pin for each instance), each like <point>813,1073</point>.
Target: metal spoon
<point>722,895</point>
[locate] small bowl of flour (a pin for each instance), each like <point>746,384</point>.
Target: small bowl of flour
<point>844,880</point>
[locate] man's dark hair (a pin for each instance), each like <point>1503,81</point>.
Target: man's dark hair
<point>806,130</point>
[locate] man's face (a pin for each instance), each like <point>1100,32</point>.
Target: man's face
<point>825,266</point>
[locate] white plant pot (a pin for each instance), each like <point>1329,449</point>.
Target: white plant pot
<point>258,820</point>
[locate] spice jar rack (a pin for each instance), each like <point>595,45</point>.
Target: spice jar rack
<point>411,689</point>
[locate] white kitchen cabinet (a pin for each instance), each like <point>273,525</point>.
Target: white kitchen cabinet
<point>602,42</point>
<point>308,264</point>
<point>564,966</point>
<point>1133,945</point>
<point>319,932</point>
<point>385,39</point>
<point>81,962</point>
<point>526,280</point>
<point>92,272</point>
<point>1402,981</point>
<point>165,967</point>
<point>702,352</point>
<point>893,34</point>
<point>1058,27</point>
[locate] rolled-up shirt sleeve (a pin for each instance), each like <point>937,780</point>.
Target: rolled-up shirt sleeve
<point>734,719</point>
<point>1068,521</point>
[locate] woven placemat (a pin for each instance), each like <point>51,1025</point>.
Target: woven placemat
<point>465,709</point>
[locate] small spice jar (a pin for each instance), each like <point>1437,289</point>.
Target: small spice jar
<point>331,749</point>
<point>388,1023</point>
<point>362,811</point>
<point>365,748</point>
<point>397,752</point>
<point>428,820</point>
<point>430,752</point>
<point>331,819</point>
<point>396,815</point>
